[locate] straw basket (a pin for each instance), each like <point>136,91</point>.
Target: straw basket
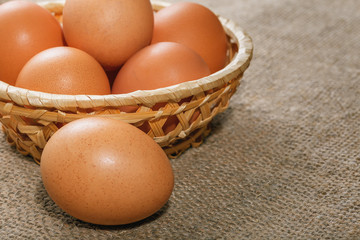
<point>30,118</point>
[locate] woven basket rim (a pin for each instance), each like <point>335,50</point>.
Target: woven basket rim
<point>235,67</point>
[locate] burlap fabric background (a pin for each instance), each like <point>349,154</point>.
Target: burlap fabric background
<point>283,162</point>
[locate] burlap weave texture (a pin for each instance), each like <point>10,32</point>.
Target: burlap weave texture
<point>283,162</point>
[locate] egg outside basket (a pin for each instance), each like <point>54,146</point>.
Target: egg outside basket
<point>30,118</point>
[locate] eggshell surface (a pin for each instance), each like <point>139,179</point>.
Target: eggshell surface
<point>64,70</point>
<point>195,26</point>
<point>111,31</point>
<point>160,65</point>
<point>105,171</point>
<point>25,30</point>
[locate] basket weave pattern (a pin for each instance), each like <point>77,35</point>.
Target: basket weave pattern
<point>30,118</point>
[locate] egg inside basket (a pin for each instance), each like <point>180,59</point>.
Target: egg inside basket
<point>30,118</point>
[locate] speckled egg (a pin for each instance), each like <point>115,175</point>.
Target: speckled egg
<point>105,171</point>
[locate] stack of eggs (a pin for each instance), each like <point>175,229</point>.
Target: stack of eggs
<point>101,170</point>
<point>97,39</point>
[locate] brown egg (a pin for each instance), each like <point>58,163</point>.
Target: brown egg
<point>64,70</point>
<point>25,30</point>
<point>159,65</point>
<point>195,26</point>
<point>111,31</point>
<point>105,171</point>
